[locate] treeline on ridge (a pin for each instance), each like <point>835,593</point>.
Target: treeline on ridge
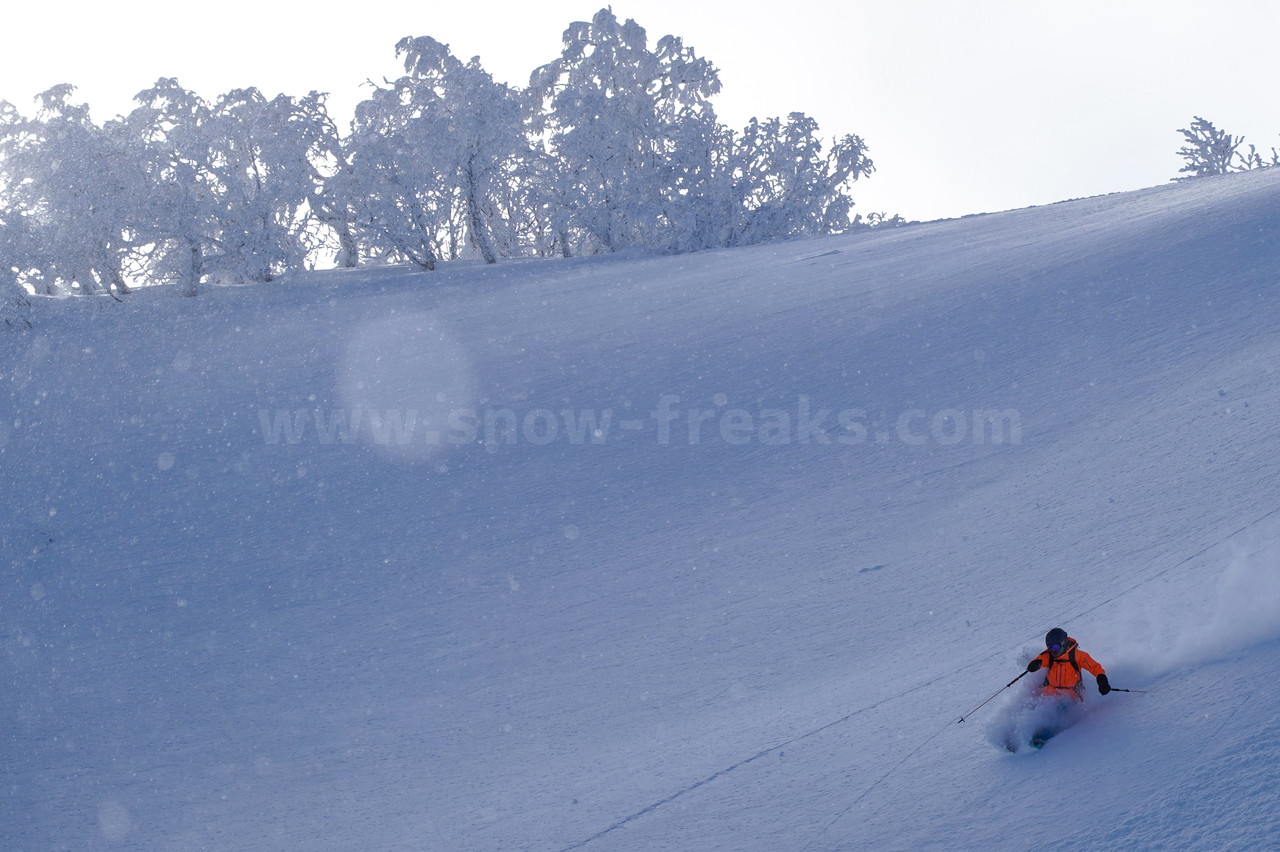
<point>613,145</point>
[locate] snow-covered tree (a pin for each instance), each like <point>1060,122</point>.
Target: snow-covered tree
<point>332,184</point>
<point>397,189</point>
<point>15,238</point>
<point>265,175</point>
<point>1208,150</point>
<point>1211,151</point>
<point>778,180</point>
<point>182,222</point>
<point>232,186</point>
<point>13,254</point>
<point>629,128</point>
<point>70,190</point>
<point>14,304</point>
<point>438,156</point>
<point>482,132</point>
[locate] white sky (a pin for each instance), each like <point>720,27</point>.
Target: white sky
<point>968,106</point>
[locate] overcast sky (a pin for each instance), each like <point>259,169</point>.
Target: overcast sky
<point>967,106</point>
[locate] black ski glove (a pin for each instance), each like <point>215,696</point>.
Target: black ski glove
<point>1034,665</point>
<point>1104,685</point>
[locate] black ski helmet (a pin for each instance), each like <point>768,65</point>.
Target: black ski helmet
<point>1056,636</point>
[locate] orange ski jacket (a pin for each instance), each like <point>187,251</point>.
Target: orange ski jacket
<point>1063,671</point>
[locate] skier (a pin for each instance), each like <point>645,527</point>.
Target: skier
<point>1065,659</point>
<point>1063,687</point>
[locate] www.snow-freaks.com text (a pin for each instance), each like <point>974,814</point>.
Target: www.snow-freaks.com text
<point>668,423</point>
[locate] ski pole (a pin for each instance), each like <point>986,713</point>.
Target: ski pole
<point>998,691</point>
<point>1143,691</point>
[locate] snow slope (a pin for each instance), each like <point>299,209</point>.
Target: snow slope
<point>227,628</point>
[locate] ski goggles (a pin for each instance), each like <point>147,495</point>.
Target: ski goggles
<point>1057,648</point>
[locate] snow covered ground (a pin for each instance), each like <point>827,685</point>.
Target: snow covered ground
<point>705,552</point>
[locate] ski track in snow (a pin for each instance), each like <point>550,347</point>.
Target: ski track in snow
<point>215,641</point>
